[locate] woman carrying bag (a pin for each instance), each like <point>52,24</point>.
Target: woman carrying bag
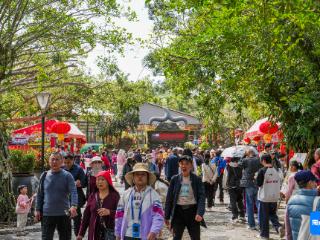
<point>99,214</point>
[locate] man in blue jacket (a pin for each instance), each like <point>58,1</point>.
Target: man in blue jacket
<point>185,202</point>
<point>172,164</point>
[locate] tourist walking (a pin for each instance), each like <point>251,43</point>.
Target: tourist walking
<point>121,161</point>
<point>208,178</point>
<point>185,202</point>
<point>95,167</point>
<point>127,168</point>
<point>302,202</point>
<point>250,165</point>
<point>235,191</point>
<point>139,213</point>
<point>221,165</point>
<point>172,164</point>
<point>23,207</point>
<point>315,169</point>
<point>99,214</point>
<point>80,181</point>
<point>56,201</point>
<point>268,181</point>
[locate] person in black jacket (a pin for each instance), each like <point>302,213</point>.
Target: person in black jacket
<point>172,164</point>
<point>185,202</point>
<point>128,167</point>
<point>250,165</point>
<point>80,181</point>
<point>235,191</point>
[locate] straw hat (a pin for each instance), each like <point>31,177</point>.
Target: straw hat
<point>140,167</point>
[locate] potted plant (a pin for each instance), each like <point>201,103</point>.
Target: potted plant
<point>22,164</point>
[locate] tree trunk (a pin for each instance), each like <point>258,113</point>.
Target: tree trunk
<point>7,201</point>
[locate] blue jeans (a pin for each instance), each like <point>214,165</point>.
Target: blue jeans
<point>251,199</point>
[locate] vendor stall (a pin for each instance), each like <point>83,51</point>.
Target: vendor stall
<point>56,133</point>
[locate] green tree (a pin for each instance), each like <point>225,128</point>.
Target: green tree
<point>257,57</point>
<point>42,44</point>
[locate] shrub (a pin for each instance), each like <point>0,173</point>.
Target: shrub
<point>21,161</point>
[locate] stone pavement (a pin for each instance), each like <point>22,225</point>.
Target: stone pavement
<point>218,222</point>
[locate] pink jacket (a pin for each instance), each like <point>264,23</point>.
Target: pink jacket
<point>23,204</point>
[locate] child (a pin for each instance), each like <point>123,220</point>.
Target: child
<point>268,181</point>
<point>22,209</point>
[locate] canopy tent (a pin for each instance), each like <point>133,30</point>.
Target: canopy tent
<point>255,131</point>
<point>34,129</point>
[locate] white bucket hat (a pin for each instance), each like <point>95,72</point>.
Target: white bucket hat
<point>96,159</point>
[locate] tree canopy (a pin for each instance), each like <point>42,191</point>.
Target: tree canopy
<point>256,57</point>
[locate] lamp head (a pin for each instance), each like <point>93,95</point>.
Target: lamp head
<point>43,100</point>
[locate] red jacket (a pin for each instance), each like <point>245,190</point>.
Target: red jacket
<point>315,169</point>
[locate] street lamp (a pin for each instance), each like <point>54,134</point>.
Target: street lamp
<point>43,101</point>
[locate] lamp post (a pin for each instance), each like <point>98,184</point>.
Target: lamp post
<point>43,100</point>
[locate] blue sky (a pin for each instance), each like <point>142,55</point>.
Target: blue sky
<point>131,63</point>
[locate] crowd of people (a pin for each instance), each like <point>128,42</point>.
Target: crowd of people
<point>172,187</point>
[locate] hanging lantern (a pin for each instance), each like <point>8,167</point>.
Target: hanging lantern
<point>267,138</point>
<point>60,136</point>
<point>268,127</point>
<point>280,135</point>
<point>247,140</point>
<point>61,127</point>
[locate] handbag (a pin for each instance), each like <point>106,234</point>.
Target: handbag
<point>304,231</point>
<point>105,233</point>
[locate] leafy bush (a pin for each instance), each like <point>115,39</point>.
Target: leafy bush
<point>204,146</point>
<point>21,161</point>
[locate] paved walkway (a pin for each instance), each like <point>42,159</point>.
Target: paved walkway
<point>218,221</point>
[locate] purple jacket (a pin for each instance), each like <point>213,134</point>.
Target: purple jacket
<point>151,218</point>
<point>91,218</point>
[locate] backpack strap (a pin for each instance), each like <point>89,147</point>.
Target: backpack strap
<point>315,203</point>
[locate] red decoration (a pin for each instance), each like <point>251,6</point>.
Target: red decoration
<point>283,148</point>
<point>268,127</point>
<point>61,127</point>
<point>280,135</point>
<point>257,138</point>
<point>247,140</point>
<point>82,141</point>
<point>67,140</point>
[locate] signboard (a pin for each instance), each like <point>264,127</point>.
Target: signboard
<point>299,157</point>
<point>169,137</point>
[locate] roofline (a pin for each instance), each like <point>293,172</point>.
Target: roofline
<point>156,105</point>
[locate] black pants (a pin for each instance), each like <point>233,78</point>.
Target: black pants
<point>267,211</point>
<point>185,218</point>
<point>77,222</point>
<point>50,223</point>
<point>131,238</point>
<point>217,184</point>
<point>209,190</point>
<point>236,202</point>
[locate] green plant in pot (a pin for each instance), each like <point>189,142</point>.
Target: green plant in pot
<point>21,161</point>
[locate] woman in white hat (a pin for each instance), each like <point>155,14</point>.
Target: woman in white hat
<point>95,168</point>
<point>139,214</point>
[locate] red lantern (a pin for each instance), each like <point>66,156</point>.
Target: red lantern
<point>61,127</point>
<point>256,138</point>
<point>268,127</point>
<point>247,140</point>
<point>67,140</point>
